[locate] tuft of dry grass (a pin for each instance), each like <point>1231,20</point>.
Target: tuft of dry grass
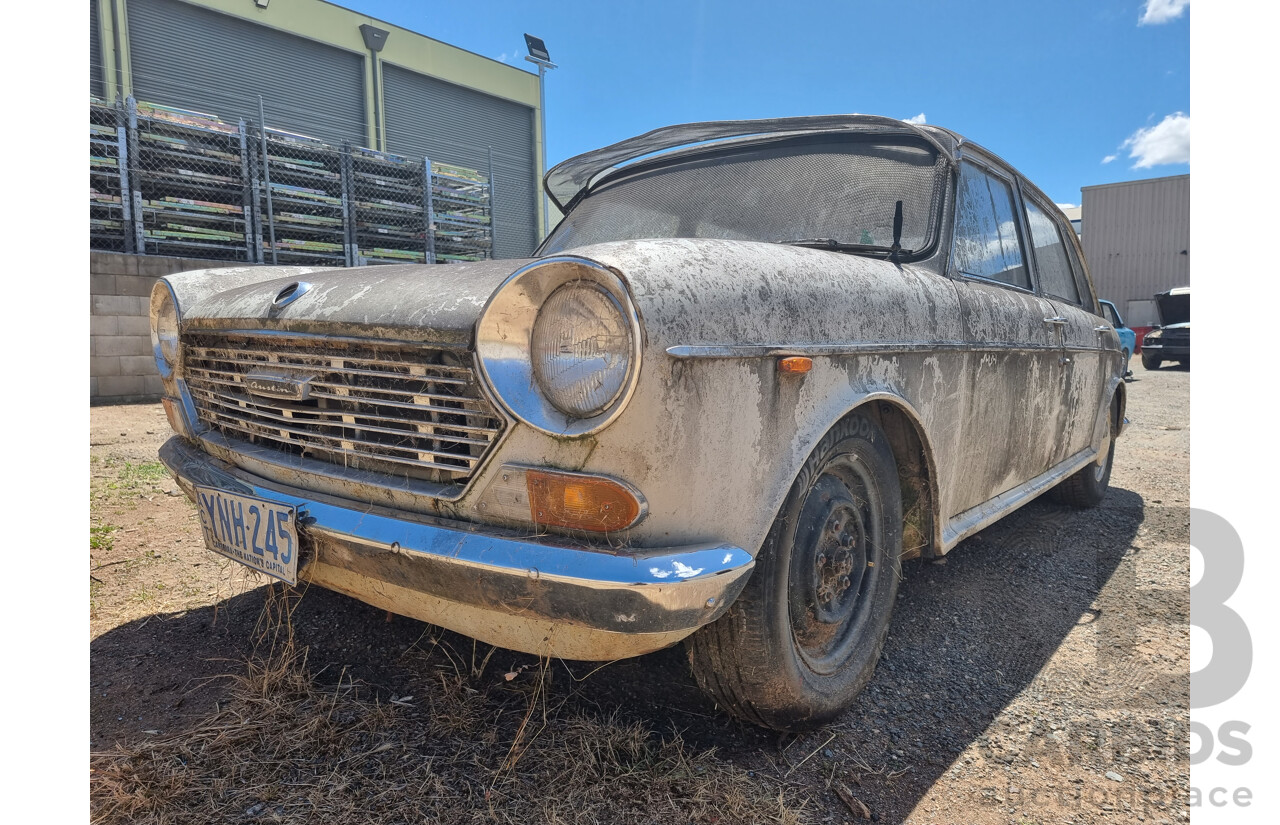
<point>286,748</point>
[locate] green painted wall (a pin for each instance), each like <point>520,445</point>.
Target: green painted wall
<point>340,27</point>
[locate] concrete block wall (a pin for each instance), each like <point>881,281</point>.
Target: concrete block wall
<point>121,367</point>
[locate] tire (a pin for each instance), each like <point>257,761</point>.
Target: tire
<point>1088,486</point>
<point>804,637</point>
<point>1124,369</point>
<point>1150,361</point>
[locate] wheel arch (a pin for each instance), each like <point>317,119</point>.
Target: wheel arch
<point>917,470</point>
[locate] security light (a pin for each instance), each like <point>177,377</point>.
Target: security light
<point>537,49</point>
<point>540,57</point>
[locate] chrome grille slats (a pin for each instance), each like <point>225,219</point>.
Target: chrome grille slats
<point>392,407</point>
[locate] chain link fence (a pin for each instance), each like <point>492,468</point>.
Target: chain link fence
<point>169,181</point>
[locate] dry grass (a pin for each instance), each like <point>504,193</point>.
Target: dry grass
<point>286,748</point>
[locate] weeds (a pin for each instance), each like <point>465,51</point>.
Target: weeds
<point>287,748</point>
<point>131,480</point>
<point>100,537</point>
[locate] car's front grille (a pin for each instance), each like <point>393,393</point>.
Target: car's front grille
<point>404,409</point>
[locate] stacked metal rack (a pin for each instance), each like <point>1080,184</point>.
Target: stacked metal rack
<point>190,178</point>
<point>302,185</point>
<point>109,206</point>
<point>389,208</point>
<point>171,181</point>
<point>461,213</point>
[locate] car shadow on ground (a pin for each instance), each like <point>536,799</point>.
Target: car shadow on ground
<point>967,637</point>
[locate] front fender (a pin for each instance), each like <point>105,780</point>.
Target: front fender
<point>714,440</point>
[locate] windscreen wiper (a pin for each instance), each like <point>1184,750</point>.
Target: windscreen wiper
<point>839,246</point>
<point>892,252</point>
<point>896,249</point>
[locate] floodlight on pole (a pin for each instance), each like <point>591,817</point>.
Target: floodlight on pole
<point>539,56</point>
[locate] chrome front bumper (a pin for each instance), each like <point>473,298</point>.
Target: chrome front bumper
<point>541,595</point>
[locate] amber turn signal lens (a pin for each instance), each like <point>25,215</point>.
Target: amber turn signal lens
<point>795,364</point>
<point>593,503</point>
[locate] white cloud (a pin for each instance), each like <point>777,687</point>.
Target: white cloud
<point>1108,158</point>
<point>917,120</point>
<point>1169,141</point>
<point>502,58</point>
<point>1065,206</point>
<point>1162,11</point>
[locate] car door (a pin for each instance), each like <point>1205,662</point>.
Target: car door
<point>1082,336</point>
<point>1128,339</point>
<point>1013,369</point>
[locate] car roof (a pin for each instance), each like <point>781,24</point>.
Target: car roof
<point>1178,290</point>
<point>567,180</point>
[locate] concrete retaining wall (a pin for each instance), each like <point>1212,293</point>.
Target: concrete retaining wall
<point>121,366</point>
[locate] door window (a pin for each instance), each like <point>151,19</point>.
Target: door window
<point>986,235</point>
<point>1109,312</point>
<point>1052,265</point>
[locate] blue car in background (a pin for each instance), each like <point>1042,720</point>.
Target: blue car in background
<point>1128,339</point>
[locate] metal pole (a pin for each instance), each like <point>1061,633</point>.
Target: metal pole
<point>428,213</point>
<point>266,177</point>
<point>542,121</point>
<point>135,183</point>
<point>493,219</point>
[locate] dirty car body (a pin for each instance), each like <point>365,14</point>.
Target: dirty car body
<point>756,365</point>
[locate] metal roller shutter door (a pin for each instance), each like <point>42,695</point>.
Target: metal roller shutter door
<point>451,124</point>
<point>198,59</point>
<point>95,53</point>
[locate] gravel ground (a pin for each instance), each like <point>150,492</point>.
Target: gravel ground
<point>1038,674</point>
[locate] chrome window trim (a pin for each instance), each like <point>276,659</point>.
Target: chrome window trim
<point>1010,179</point>
<point>1051,214</point>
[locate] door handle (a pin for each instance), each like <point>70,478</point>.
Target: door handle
<point>1056,320</point>
<point>1102,328</point>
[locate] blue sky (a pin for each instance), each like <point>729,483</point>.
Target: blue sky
<point>1053,87</point>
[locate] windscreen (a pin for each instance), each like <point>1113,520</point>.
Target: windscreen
<point>839,189</point>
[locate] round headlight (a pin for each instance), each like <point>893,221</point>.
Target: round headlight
<point>581,349</point>
<point>164,328</point>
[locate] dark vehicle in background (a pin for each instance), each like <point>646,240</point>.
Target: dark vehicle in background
<point>1128,338</point>
<point>1171,340</point>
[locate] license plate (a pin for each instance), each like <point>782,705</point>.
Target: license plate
<point>255,532</point>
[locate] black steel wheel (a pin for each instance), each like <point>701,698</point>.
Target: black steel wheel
<point>804,637</point>
<point>1150,360</point>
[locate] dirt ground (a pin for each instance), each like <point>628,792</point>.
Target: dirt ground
<point>1038,674</point>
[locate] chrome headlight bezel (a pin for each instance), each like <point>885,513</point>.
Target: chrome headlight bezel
<point>165,321</point>
<point>504,337</point>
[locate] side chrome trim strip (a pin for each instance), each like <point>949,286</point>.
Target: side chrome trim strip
<point>775,350</point>
<point>961,526</point>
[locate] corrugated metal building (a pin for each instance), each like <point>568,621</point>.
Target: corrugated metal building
<point>1137,240</point>
<point>319,73</point>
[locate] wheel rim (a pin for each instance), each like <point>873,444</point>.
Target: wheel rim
<point>836,560</point>
<point>1104,455</point>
